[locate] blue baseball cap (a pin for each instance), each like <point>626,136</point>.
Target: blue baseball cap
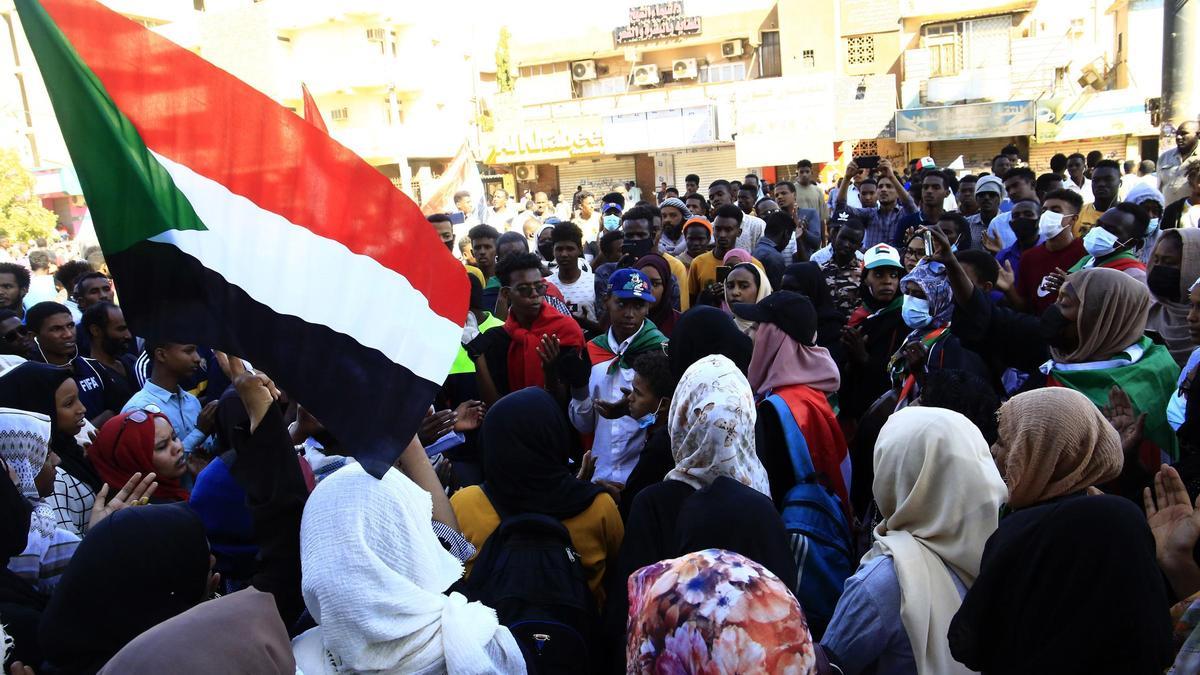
<point>630,284</point>
<point>611,206</point>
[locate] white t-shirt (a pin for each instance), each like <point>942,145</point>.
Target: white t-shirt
<point>580,295</point>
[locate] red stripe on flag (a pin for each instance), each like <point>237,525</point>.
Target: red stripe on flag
<point>208,120</point>
<point>311,112</point>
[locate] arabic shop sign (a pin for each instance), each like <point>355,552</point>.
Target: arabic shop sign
<point>656,22</point>
<point>974,120</point>
<point>546,140</point>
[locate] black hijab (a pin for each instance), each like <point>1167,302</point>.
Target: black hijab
<point>1060,579</point>
<point>137,568</point>
<point>703,331</point>
<point>31,386</point>
<point>810,281</point>
<point>525,442</point>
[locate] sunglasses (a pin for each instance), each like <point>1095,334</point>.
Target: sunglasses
<point>137,417</point>
<point>529,290</point>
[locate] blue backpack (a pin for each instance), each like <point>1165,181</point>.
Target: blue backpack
<point>818,529</point>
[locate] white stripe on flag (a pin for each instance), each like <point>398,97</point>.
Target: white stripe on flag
<point>294,271</point>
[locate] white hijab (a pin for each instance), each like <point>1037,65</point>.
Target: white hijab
<point>940,493</point>
<point>24,444</point>
<point>712,427</point>
<point>374,574</point>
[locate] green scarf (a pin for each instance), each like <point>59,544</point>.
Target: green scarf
<point>1100,262</point>
<point>1149,381</point>
<point>649,337</point>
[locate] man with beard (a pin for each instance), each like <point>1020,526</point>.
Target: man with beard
<point>14,284</point>
<point>89,290</point>
<point>109,336</point>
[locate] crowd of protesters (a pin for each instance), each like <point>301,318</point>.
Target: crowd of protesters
<point>916,423</point>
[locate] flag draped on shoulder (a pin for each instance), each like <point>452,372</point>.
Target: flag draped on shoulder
<point>231,222</point>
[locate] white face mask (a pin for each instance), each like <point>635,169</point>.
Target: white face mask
<point>1050,224</point>
<point>1099,242</point>
<point>1176,410</point>
<point>915,312</point>
<point>1152,227</point>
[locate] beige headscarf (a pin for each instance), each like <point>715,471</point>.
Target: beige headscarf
<point>1053,442</point>
<point>1112,314</point>
<point>940,494</point>
<point>712,427</point>
<point>1168,317</point>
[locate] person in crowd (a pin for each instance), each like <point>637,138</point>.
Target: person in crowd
<point>499,214</point>
<point>1106,178</point>
<point>1182,212</point>
<point>444,227</point>
<point>879,220</point>
<point>15,338</point>
<point>1076,181</point>
<point>748,622</point>
<point>752,227</point>
<point>697,205</point>
<point>54,334</point>
<point>989,191</point>
<point>14,286</point>
<point>110,342</point>
<point>1023,223</point>
<point>1128,178</point>
<point>664,287</point>
<point>610,212</point>
<point>484,239</point>
<point>1174,268</point>
<point>702,271</point>
<point>91,289</point>
<point>769,251</point>
<point>1001,165</point>
<point>173,363</point>
<point>787,363</point>
<point>703,331</point>
<point>608,250</point>
<point>939,493</point>
<point>964,393</point>
<point>764,207</point>
<point>1151,201</point>
<point>1058,166</point>
<point>70,278</point>
<point>874,332</point>
<point>747,195</point>
<point>934,188</point>
<point>1111,243</point>
<point>586,216</point>
<point>843,271</point>
<point>649,401</point>
<point>599,406</point>
<point>1054,447</point>
<point>1041,271</point>
<point>1172,520</point>
<point>674,215</point>
<point>957,230</point>
<point>965,196</point>
<point>913,252</point>
<point>638,227</point>
<point>577,286</point>
<point>1047,183</point>
<point>808,195</point>
<point>41,284</point>
<point>1174,163</point>
<point>746,283</point>
<point>691,183</point>
<point>534,335</point>
<point>141,442</point>
<point>510,244</point>
<point>544,242</point>
<point>1019,186</point>
<point>526,438</point>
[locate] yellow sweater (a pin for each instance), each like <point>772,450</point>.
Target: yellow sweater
<point>596,532</point>
<point>680,272</point>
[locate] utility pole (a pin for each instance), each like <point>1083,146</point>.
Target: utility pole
<point>1181,54</point>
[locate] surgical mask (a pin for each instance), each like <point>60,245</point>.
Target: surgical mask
<point>915,312</point>
<point>1152,227</point>
<point>1050,224</point>
<point>1099,242</point>
<point>646,421</point>
<point>611,222</point>
<point>1177,410</point>
<point>1163,282</point>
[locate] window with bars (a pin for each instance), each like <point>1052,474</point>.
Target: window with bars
<point>723,72</point>
<point>543,69</point>
<point>604,86</point>
<point>339,114</point>
<point>942,42</point>
<point>770,61</point>
<point>865,148</point>
<point>860,50</point>
<point>810,58</point>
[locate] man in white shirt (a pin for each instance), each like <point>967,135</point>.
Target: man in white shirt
<point>499,215</point>
<point>1076,181</point>
<point>578,286</point>
<point>602,408</point>
<point>1173,164</point>
<point>719,194</point>
<point>41,287</point>
<point>587,218</point>
<point>634,192</point>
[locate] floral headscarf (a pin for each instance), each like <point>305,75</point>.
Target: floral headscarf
<point>930,275</point>
<point>712,427</point>
<point>715,612</point>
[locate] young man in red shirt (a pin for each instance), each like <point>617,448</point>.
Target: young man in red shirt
<point>1043,267</point>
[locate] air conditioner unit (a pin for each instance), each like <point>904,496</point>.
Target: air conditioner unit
<point>685,69</point>
<point>583,70</point>
<point>1089,77</point>
<point>526,172</point>
<point>732,49</point>
<point>645,76</point>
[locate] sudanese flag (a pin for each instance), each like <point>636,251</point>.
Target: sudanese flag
<point>231,222</point>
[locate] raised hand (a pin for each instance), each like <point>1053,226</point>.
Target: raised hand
<point>548,350</point>
<point>469,415</point>
<point>1121,415</point>
<point>1175,523</point>
<point>1004,282</point>
<point>137,492</point>
<point>256,390</point>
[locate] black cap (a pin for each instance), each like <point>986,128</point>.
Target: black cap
<point>792,312</point>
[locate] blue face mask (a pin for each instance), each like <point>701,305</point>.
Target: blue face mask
<point>1176,410</point>
<point>611,222</point>
<point>1099,242</point>
<point>915,312</point>
<point>646,421</point>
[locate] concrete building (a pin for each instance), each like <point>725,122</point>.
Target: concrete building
<point>393,82</point>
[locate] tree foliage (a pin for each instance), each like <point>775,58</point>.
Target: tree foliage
<point>504,77</point>
<point>22,216</point>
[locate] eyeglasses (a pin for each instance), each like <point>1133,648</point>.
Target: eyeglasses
<point>529,290</point>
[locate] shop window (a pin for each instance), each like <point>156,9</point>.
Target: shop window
<point>723,72</point>
<point>339,114</point>
<point>942,42</point>
<point>860,50</point>
<point>770,61</point>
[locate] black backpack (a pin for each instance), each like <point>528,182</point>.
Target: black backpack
<point>531,575</point>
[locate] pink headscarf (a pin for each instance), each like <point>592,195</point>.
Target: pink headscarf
<point>739,253</point>
<point>779,361</point>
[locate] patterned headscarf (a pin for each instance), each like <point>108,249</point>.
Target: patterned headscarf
<point>715,611</point>
<point>24,443</point>
<point>930,275</point>
<point>712,427</point>
<point>677,203</point>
